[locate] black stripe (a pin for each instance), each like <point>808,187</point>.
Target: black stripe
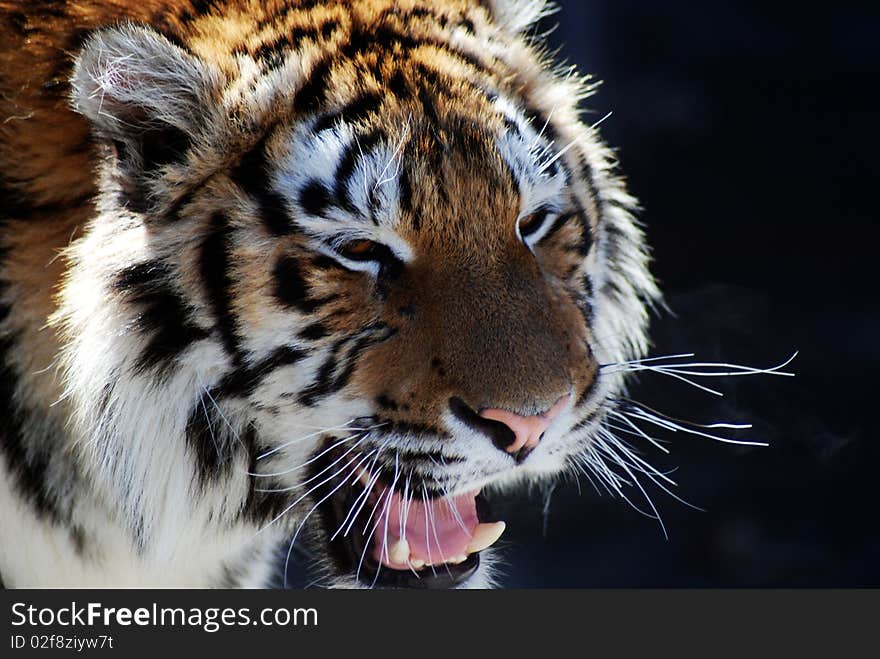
<point>162,147</point>
<point>274,52</point>
<point>19,23</point>
<point>467,25</point>
<point>261,505</point>
<point>386,402</point>
<point>161,312</point>
<point>202,7</point>
<point>540,123</point>
<point>586,304</point>
<point>589,177</point>
<point>172,215</point>
<point>314,332</point>
<point>290,286</point>
<point>590,418</point>
<point>243,382</point>
<point>206,437</point>
<point>28,464</point>
<point>314,198</point>
<point>15,203</point>
<point>442,83</point>
<point>324,262</point>
<point>406,15</point>
<point>389,426</point>
<point>404,184</point>
<point>357,109</point>
<point>335,373</point>
<point>586,241</point>
<point>214,267</point>
<point>344,170</point>
<point>560,222</point>
<point>588,389</point>
<point>385,37</point>
<point>253,175</point>
<point>311,95</point>
<point>377,335</point>
<point>427,101</point>
<point>397,85</point>
<point>323,382</point>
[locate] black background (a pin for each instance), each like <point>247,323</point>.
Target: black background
<point>748,130</point>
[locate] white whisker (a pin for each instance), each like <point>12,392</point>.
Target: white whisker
<point>327,450</point>
<point>303,496</point>
<point>313,509</point>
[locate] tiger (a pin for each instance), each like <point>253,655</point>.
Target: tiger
<point>298,273</point>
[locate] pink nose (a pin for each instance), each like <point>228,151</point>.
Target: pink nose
<point>527,429</point>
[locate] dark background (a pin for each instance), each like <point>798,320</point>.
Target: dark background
<point>748,130</point>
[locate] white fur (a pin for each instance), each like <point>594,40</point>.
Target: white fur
<point>519,15</point>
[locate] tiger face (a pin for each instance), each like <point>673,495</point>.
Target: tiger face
<point>365,274</point>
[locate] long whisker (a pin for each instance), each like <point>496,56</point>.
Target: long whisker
<point>644,360</point>
<point>384,548</point>
<point>210,427</point>
<point>427,541</point>
<point>313,509</point>
<point>232,430</point>
<point>303,496</point>
<point>356,508</point>
<point>705,426</point>
<point>456,515</point>
<point>320,430</point>
<point>314,458</point>
<point>545,166</point>
<point>636,430</point>
<point>636,413</point>
<point>369,538</point>
<point>437,539</point>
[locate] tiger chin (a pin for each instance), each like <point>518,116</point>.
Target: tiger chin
<point>296,274</point>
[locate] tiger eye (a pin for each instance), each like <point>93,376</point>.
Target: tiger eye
<point>358,250</point>
<point>531,223</point>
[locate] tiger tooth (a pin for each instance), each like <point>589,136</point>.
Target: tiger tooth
<point>417,563</point>
<point>461,558</point>
<point>399,552</point>
<point>485,535</point>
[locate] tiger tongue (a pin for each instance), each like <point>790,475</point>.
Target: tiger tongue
<point>417,532</point>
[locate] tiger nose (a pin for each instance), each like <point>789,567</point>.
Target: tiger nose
<point>527,430</point>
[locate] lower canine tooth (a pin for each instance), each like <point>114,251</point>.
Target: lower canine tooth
<point>485,535</point>
<point>399,552</point>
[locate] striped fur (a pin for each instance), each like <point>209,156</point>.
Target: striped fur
<point>182,182</point>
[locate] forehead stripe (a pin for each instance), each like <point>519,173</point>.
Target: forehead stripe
<point>315,198</point>
<point>214,267</point>
<point>355,110</point>
<point>252,175</point>
<point>362,144</point>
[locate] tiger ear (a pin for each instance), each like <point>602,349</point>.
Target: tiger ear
<point>519,15</point>
<point>147,96</point>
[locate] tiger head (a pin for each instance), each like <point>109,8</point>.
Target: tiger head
<point>349,280</point>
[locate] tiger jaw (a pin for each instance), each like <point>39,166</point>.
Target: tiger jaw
<point>390,537</point>
<point>391,524</point>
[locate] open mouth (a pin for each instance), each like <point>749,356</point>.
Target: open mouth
<point>393,538</point>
